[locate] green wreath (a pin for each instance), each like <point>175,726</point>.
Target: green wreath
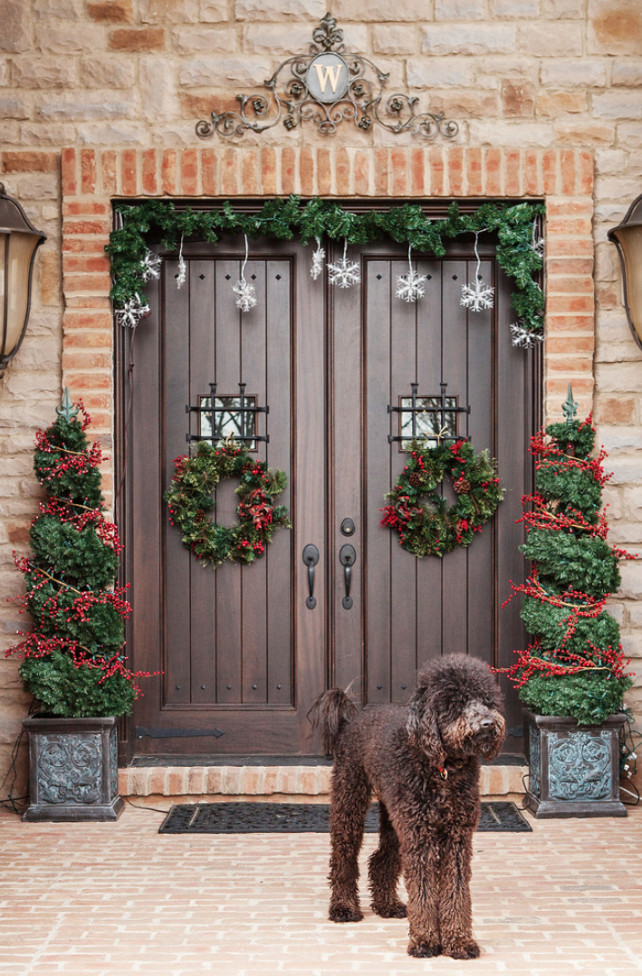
<point>432,527</point>
<point>189,499</point>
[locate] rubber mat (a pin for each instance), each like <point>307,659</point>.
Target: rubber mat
<point>299,818</point>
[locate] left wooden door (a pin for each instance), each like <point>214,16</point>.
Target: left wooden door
<point>237,656</point>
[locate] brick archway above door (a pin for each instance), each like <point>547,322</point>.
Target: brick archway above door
<point>93,178</point>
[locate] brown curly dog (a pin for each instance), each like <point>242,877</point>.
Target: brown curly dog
<point>422,762</point>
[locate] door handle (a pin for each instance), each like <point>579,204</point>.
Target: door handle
<point>347,558</point>
<point>310,558</point>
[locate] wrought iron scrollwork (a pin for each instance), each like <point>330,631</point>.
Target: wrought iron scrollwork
<point>327,86</point>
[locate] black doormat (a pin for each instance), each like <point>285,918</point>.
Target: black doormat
<point>299,818</point>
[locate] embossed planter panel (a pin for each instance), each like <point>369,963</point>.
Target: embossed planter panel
<point>73,769</point>
<point>574,769</point>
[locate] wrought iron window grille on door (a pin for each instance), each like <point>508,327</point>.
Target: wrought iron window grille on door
<point>227,416</point>
<point>430,417</point>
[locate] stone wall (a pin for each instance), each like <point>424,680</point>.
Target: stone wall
<point>100,99</point>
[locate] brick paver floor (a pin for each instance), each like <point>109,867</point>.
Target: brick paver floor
<point>107,899</point>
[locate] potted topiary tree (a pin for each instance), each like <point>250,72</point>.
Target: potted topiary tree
<point>572,677</point>
<point>72,658</point>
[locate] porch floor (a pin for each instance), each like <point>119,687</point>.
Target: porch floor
<point>99,899</point>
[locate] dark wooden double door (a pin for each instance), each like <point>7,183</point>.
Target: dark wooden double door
<point>241,649</point>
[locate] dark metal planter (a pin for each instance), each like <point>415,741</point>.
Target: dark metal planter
<point>574,769</point>
<point>73,769</point>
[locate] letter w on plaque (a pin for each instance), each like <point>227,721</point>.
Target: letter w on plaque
<point>327,77</point>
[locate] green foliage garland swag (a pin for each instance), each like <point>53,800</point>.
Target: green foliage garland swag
<point>575,665</point>
<point>190,499</point>
<point>421,517</point>
<point>285,219</point>
<point>73,660</point>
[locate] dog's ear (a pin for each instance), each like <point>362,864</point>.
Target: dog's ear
<point>495,747</point>
<point>422,728</point>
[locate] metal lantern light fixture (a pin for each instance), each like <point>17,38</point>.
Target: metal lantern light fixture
<point>19,241</point>
<point>627,237</point>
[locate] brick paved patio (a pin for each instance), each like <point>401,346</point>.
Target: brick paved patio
<point>105,899</point>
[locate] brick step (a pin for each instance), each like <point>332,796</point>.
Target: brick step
<point>263,781</point>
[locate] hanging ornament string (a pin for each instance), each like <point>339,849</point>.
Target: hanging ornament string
<point>410,287</point>
<point>246,293</point>
<point>317,260</point>
<point>477,296</point>
<point>344,273</point>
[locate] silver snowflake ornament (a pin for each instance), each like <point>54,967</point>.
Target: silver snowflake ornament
<point>524,338</point>
<point>246,295</point>
<point>477,296</point>
<point>132,312</point>
<point>410,287</point>
<point>344,273</point>
<point>150,266</point>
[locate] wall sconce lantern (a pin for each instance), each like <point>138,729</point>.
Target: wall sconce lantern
<point>19,241</point>
<point>627,237</point>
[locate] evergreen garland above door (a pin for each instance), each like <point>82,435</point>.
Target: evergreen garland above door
<point>519,246</point>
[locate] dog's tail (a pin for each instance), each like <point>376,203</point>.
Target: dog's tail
<point>331,712</point>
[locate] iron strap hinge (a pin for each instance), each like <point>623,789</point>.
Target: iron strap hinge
<point>160,733</point>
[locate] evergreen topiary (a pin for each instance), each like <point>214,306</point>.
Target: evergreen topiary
<point>575,666</point>
<point>73,660</point>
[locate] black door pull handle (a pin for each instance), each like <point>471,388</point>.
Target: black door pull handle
<point>347,558</point>
<point>310,558</point>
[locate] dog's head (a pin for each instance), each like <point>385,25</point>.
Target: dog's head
<point>455,710</point>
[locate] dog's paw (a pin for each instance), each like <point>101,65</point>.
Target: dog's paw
<point>423,950</point>
<point>395,909</point>
<point>463,950</point>
<point>344,913</point>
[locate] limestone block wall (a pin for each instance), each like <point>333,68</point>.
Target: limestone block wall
<point>100,97</point>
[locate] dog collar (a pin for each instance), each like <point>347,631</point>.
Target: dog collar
<point>443,770</point>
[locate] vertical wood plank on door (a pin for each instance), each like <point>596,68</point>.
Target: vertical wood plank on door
<point>379,540</point>
<point>254,577</point>
<point>203,578</point>
<point>480,607</point>
<point>145,523</point>
<point>403,565</point>
<point>454,593</point>
<point>429,341</point>
<point>310,490</point>
<point>513,379</point>
<point>228,576</point>
<point>178,559</point>
<point>346,406</point>
<point>278,558</point>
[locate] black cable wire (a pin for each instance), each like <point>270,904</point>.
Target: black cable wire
<point>16,803</point>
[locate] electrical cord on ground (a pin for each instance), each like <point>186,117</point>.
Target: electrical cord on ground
<point>630,741</point>
<point>141,806</point>
<point>16,803</point>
